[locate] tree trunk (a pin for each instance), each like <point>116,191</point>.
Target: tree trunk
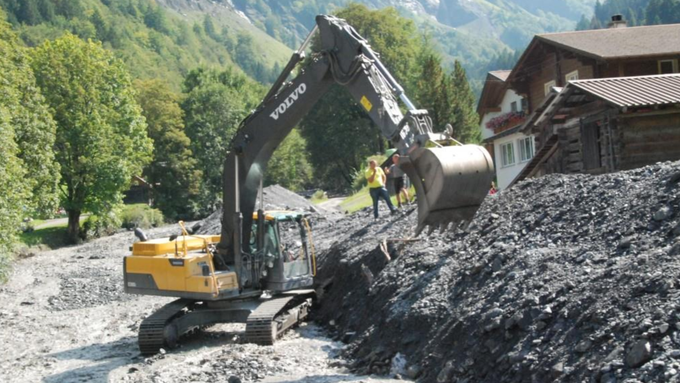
<point>73,231</point>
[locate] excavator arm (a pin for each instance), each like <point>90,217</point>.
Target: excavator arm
<point>450,181</point>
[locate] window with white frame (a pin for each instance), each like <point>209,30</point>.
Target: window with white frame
<point>513,107</point>
<point>547,86</point>
<point>571,76</point>
<point>507,154</point>
<point>668,66</point>
<point>526,148</point>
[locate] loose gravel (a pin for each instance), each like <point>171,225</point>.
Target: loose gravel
<point>561,278</point>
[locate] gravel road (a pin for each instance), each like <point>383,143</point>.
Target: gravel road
<point>65,318</point>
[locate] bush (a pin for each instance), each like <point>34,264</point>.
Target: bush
<point>141,216</point>
<point>96,226</point>
<point>319,196</point>
<point>5,266</point>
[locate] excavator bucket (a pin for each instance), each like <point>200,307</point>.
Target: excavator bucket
<point>451,183</point>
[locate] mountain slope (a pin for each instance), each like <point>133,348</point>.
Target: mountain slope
<point>468,30</point>
<point>155,38</point>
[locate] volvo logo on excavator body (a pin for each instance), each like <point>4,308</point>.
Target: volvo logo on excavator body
<point>281,109</point>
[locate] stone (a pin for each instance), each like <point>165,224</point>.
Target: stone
<point>445,373</point>
<point>662,213</point>
<point>625,242</point>
<point>495,312</point>
<point>546,313</point>
<point>497,264</point>
<point>557,370</point>
<point>413,371</point>
<point>639,354</point>
<point>583,346</point>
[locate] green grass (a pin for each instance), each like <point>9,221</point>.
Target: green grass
<point>54,237</point>
<point>362,199</point>
<point>357,201</point>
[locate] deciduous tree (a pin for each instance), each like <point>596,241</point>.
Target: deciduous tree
<point>289,165</point>
<point>214,105</point>
<point>101,134</point>
<point>173,171</point>
<point>28,171</point>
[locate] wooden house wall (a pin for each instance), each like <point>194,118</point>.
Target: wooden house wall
<point>649,138</point>
<point>552,67</point>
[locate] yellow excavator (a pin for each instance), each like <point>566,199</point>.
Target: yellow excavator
<point>254,271</point>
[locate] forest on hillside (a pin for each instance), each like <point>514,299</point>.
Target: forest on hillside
<point>635,12</point>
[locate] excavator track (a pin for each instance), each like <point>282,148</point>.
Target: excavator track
<point>274,317</point>
<point>156,331</point>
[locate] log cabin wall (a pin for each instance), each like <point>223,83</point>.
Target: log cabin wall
<point>647,138</point>
<point>553,65</point>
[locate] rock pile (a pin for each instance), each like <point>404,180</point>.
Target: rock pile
<point>561,278</point>
<point>275,198</point>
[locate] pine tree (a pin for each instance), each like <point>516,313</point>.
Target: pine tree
<point>428,85</point>
<point>47,10</point>
<point>99,24</point>
<point>28,12</point>
<point>583,23</point>
<point>210,28</point>
<point>466,119</point>
<point>595,23</point>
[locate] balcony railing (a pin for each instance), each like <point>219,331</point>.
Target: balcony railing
<point>505,121</point>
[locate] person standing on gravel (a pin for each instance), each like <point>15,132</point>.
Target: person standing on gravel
<point>376,184</point>
<point>397,176</point>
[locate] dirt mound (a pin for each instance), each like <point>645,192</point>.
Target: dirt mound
<point>275,198</point>
<point>564,277</point>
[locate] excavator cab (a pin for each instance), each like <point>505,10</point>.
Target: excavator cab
<point>281,250</point>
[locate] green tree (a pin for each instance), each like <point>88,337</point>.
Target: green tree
<point>583,23</point>
<point>214,105</point>
<point>289,166</point>
<point>100,25</point>
<point>173,170</point>
<point>28,169</point>
<point>429,85</point>
<point>210,29</point>
<point>47,10</point>
<point>156,18</point>
<point>101,134</point>
<point>28,12</point>
<point>464,118</point>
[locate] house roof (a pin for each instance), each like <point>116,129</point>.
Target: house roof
<point>493,91</point>
<point>618,43</point>
<point>633,91</point>
<point>606,44</point>
<point>621,92</point>
<point>501,74</point>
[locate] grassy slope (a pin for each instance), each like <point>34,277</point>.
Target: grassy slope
<point>269,49</point>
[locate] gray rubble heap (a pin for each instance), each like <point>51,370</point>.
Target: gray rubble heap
<point>561,278</point>
<point>275,198</point>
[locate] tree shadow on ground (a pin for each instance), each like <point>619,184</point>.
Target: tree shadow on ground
<point>107,357</point>
<point>112,355</point>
